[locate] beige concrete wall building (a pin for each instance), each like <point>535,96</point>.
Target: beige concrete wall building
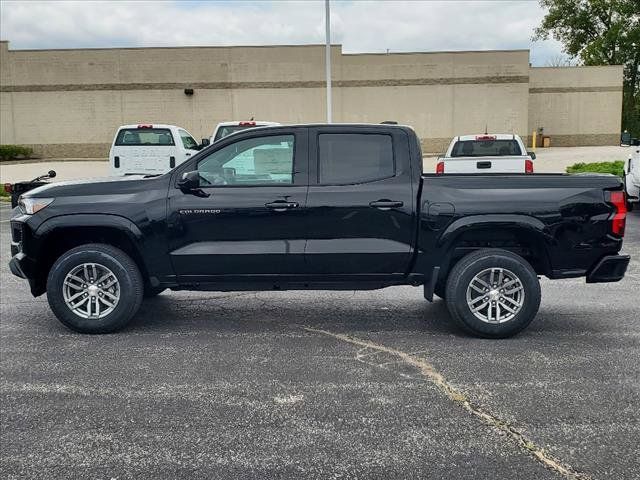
<point>68,103</point>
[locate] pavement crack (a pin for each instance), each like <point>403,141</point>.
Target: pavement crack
<point>429,372</point>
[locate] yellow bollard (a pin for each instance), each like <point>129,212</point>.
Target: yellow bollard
<point>533,141</point>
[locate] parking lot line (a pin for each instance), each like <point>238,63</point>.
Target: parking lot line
<point>430,373</point>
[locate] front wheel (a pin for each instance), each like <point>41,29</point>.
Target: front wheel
<point>493,293</point>
<point>94,288</point>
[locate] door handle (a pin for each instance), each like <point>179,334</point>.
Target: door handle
<point>385,204</point>
<point>281,205</point>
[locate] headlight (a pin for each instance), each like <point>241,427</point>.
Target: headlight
<point>33,205</point>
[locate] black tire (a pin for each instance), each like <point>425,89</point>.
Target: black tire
<point>151,292</point>
<point>123,268</point>
<point>473,264</point>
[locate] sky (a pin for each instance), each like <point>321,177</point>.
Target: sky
<point>359,25</point>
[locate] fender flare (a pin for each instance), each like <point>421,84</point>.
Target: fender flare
<point>90,220</point>
<point>533,227</point>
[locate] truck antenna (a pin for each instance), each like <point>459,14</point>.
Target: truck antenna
<point>486,128</point>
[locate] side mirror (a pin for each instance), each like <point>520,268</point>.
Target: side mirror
<point>190,181</point>
<point>635,142</point>
<point>532,155</point>
<point>52,174</point>
<point>205,142</point>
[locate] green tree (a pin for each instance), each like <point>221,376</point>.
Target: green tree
<point>600,32</point>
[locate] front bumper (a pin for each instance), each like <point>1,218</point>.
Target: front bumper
<point>609,269</point>
<point>22,266</point>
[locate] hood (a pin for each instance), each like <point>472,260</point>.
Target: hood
<point>90,186</point>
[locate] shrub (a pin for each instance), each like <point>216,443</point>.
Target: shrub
<point>12,152</point>
<point>616,168</point>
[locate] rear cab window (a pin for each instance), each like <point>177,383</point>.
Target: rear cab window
<point>351,158</point>
<point>227,130</point>
<point>144,136</point>
<point>489,147</point>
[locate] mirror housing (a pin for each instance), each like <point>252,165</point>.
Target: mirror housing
<point>190,181</point>
<point>635,142</point>
<point>205,142</point>
<point>51,173</point>
<point>532,155</point>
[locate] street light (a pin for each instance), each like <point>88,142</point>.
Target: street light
<point>327,59</point>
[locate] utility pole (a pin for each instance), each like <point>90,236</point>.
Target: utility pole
<point>327,60</point>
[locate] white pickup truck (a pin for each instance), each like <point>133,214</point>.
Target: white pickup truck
<point>224,129</point>
<point>486,153</point>
<point>632,175</point>
<point>151,149</point>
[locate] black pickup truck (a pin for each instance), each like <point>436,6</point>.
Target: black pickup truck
<point>317,207</point>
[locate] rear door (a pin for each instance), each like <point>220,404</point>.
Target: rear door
<point>360,203</point>
<point>143,150</point>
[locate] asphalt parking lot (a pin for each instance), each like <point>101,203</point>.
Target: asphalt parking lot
<point>323,385</point>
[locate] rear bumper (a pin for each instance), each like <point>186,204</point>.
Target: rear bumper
<point>609,269</point>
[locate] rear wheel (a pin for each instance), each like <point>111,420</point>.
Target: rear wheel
<point>493,293</point>
<point>94,288</point>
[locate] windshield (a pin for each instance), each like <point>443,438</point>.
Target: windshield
<point>229,129</point>
<point>485,148</point>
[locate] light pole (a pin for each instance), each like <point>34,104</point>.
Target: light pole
<point>327,59</point>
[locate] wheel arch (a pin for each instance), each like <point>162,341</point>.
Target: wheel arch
<point>60,234</point>
<point>520,234</point>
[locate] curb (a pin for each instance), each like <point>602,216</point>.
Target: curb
<point>49,160</point>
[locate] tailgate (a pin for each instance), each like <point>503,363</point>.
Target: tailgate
<point>501,164</point>
<point>144,159</point>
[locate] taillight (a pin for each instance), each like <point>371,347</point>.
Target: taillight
<point>145,125</point>
<point>247,124</point>
<point>528,166</point>
<point>619,218</point>
<point>8,188</point>
<point>440,168</point>
<point>486,138</point>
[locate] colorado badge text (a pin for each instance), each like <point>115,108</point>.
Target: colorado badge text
<point>200,211</point>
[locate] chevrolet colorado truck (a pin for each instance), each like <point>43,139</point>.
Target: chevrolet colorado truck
<point>342,207</point>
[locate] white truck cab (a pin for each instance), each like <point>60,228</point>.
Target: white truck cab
<point>486,153</point>
<point>632,175</point>
<point>150,149</point>
<point>224,129</point>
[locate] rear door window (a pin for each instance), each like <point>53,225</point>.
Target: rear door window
<point>144,136</point>
<point>486,148</point>
<point>349,158</point>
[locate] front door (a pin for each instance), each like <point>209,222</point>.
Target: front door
<point>189,144</point>
<point>247,219</point>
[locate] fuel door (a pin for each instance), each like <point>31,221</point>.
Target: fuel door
<point>439,215</point>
